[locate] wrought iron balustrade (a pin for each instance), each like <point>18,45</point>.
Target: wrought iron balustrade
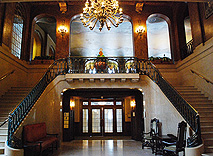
<point>94,65</point>
<point>187,49</point>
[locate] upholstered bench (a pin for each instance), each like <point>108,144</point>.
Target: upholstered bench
<point>36,139</point>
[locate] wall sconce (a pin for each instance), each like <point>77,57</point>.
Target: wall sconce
<point>140,29</point>
<point>132,103</point>
<point>72,104</point>
<point>62,29</point>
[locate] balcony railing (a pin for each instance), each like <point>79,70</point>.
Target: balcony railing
<point>187,50</point>
<point>111,65</point>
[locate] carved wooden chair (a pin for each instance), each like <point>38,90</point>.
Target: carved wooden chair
<point>148,139</point>
<point>173,148</point>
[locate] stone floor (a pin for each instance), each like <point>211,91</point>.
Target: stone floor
<point>126,147</point>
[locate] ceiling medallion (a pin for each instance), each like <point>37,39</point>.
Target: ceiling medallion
<point>106,12</point>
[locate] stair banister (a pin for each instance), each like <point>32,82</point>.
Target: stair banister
<point>75,65</point>
<point>207,80</point>
<point>6,75</point>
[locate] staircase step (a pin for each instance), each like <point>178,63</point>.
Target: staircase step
<point>12,92</point>
<point>3,136</point>
<point>201,105</point>
<point>184,87</point>
<point>2,143</point>
<point>6,109</point>
<point>2,119</point>
<point>3,130</point>
<point>208,149</point>
<point>196,98</point>
<point>189,91</point>
<point>2,150</point>
<point>4,126</point>
<point>206,114</point>
<point>204,109</point>
<point>206,123</point>
<point>20,88</point>
<point>193,100</point>
<point>207,129</point>
<point>201,102</point>
<point>207,135</point>
<point>192,95</point>
<point>208,141</point>
<point>11,98</point>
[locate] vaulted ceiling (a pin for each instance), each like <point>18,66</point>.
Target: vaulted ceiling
<point>4,1</point>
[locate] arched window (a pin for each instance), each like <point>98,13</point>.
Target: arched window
<point>18,23</point>
<point>158,36</point>
<point>114,42</point>
<point>188,32</point>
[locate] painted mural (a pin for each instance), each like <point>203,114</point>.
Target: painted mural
<point>117,42</point>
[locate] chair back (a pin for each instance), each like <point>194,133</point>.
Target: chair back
<point>181,136</point>
<point>154,127</point>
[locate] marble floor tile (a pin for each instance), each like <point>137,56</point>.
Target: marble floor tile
<point>102,148</point>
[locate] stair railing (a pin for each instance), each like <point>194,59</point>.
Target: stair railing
<point>6,75</point>
<point>16,117</point>
<point>187,49</point>
<point>207,80</point>
<point>183,107</point>
<point>119,65</point>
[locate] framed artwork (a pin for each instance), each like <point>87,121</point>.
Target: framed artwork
<point>208,8</point>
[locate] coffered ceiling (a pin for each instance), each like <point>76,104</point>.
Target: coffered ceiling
<point>5,1</point>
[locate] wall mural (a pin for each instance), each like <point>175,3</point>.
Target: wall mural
<point>117,42</point>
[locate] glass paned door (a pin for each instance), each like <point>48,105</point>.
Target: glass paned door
<point>85,120</point>
<point>119,120</point>
<point>96,121</point>
<point>108,120</point>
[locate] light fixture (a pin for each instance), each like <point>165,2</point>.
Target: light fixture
<point>140,30</point>
<point>132,103</point>
<point>62,29</point>
<point>106,12</point>
<point>72,103</point>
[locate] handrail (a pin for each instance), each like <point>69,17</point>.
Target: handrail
<point>207,80</point>
<point>6,75</point>
<point>103,65</point>
<point>5,121</point>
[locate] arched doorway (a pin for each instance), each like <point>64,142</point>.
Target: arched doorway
<point>117,42</point>
<point>102,112</point>
<point>43,37</point>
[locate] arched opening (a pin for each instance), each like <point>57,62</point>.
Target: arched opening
<point>102,112</point>
<point>37,44</point>
<point>158,36</point>
<point>115,42</point>
<point>188,31</point>
<point>44,37</point>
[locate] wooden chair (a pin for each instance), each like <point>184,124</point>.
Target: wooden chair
<point>148,139</point>
<point>173,148</point>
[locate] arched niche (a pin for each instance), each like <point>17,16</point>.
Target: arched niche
<point>158,36</point>
<point>116,42</point>
<point>43,37</point>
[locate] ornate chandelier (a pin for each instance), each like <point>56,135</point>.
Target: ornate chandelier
<point>106,12</point>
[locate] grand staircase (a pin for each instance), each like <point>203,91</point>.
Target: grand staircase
<point>205,108</point>
<point>7,103</point>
